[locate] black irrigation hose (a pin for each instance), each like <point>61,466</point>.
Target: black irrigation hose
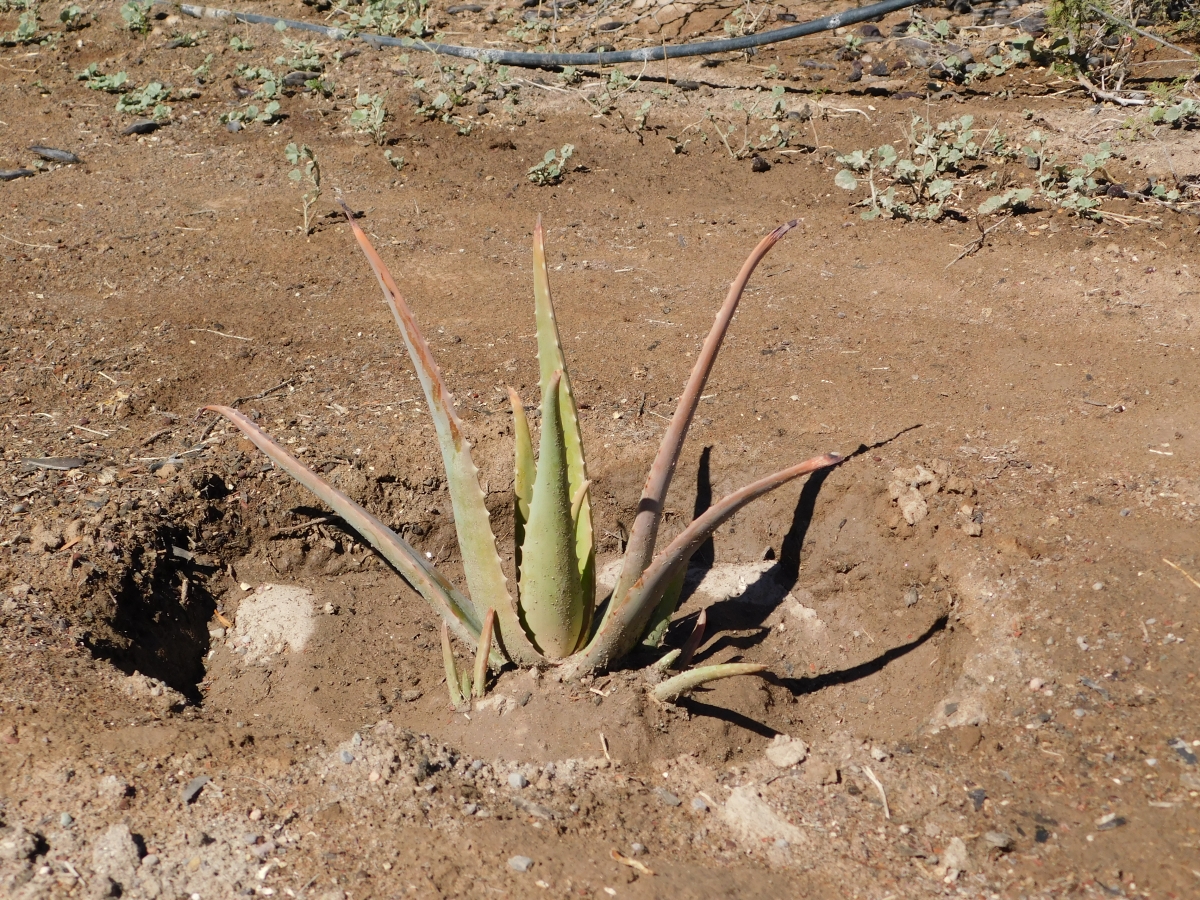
<point>554,60</point>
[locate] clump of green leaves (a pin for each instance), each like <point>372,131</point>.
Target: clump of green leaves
<point>396,162</point>
<point>98,81</point>
<point>240,44</point>
<point>552,167</point>
<point>935,155</point>
<point>1184,113</point>
<point>26,31</point>
<point>389,17</point>
<point>150,99</point>
<point>369,116</point>
<point>137,15</point>
<point>73,17</point>
<point>307,175</point>
<point>251,113</point>
<point>304,56</point>
<point>555,619</point>
<point>202,72</point>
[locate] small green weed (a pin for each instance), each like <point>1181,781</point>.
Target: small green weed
<point>251,113</point>
<point>1184,113</point>
<point>26,31</point>
<point>73,17</point>
<point>98,81</point>
<point>307,175</point>
<point>369,116</point>
<point>150,99</point>
<point>552,167</point>
<point>137,16</point>
<point>241,45</point>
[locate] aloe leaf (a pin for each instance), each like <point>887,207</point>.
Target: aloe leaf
<point>694,640</point>
<point>481,563</point>
<point>550,360</point>
<point>524,473</point>
<point>627,619</point>
<point>668,660</point>
<point>464,685</point>
<point>664,609</point>
<point>674,688</point>
<point>644,535</point>
<point>452,680</point>
<point>551,599</point>
<point>481,655</point>
<point>455,609</point>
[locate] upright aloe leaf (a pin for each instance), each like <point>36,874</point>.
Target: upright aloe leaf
<point>644,534</point>
<point>524,473</point>
<point>627,618</point>
<point>550,360</point>
<point>455,609</point>
<point>481,563</point>
<point>551,597</point>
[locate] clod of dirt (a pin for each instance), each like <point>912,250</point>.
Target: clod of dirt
<point>752,819</point>
<point>275,616</point>
<point>114,861</point>
<point>786,751</point>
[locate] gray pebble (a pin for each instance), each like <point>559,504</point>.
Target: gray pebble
<point>410,696</point>
<point>517,780</point>
<point>250,838</point>
<point>66,820</point>
<point>699,805</point>
<point>193,788</point>
<point>470,809</point>
<point>150,860</point>
<point>637,849</point>
<point>347,757</point>
<point>1126,511</point>
<point>1080,713</point>
<point>667,797</point>
<point>999,840</point>
<point>520,863</point>
<point>233,126</point>
<point>477,765</point>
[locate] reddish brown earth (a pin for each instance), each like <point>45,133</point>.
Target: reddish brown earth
<point>1048,383</point>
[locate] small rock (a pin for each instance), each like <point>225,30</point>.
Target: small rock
<point>1036,684</point>
<point>699,805</point>
<point>1098,586</point>
<point>520,863</point>
<point>911,596</point>
<point>667,797</point>
<point>758,164</point>
<point>411,696</point>
<point>193,788</point>
<point>636,849</point>
<point>517,780</point>
<point>972,529</point>
<point>967,738</point>
<point>255,815</point>
<point>150,860</point>
<point>879,754</point>
<point>66,820</point>
<point>955,855</point>
<point>785,751</point>
<point>347,757</point>
<point>1109,822</point>
<point>233,126</point>
<point>999,840</point>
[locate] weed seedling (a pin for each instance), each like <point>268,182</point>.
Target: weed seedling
<point>137,16</point>
<point>552,167</point>
<point>150,99</point>
<point>98,81</point>
<point>307,175</point>
<point>368,116</point>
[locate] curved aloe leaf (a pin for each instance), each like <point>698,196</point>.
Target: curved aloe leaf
<point>664,609</point>
<point>479,685</point>
<point>550,360</point>
<point>453,683</point>
<point>551,600</point>
<point>644,535</point>
<point>524,473</point>
<point>481,563</point>
<point>674,688</point>
<point>455,609</point>
<point>627,619</point>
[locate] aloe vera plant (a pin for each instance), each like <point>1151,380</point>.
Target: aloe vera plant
<point>554,619</point>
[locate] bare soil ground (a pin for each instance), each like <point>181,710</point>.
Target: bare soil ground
<point>999,699</point>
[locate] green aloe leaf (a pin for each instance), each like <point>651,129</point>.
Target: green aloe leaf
<point>644,536</point>
<point>665,608</point>
<point>524,473</point>
<point>550,360</point>
<point>481,562</point>
<point>455,609</point>
<point>551,597</point>
<point>674,688</point>
<point>479,685</point>
<point>627,618</point>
